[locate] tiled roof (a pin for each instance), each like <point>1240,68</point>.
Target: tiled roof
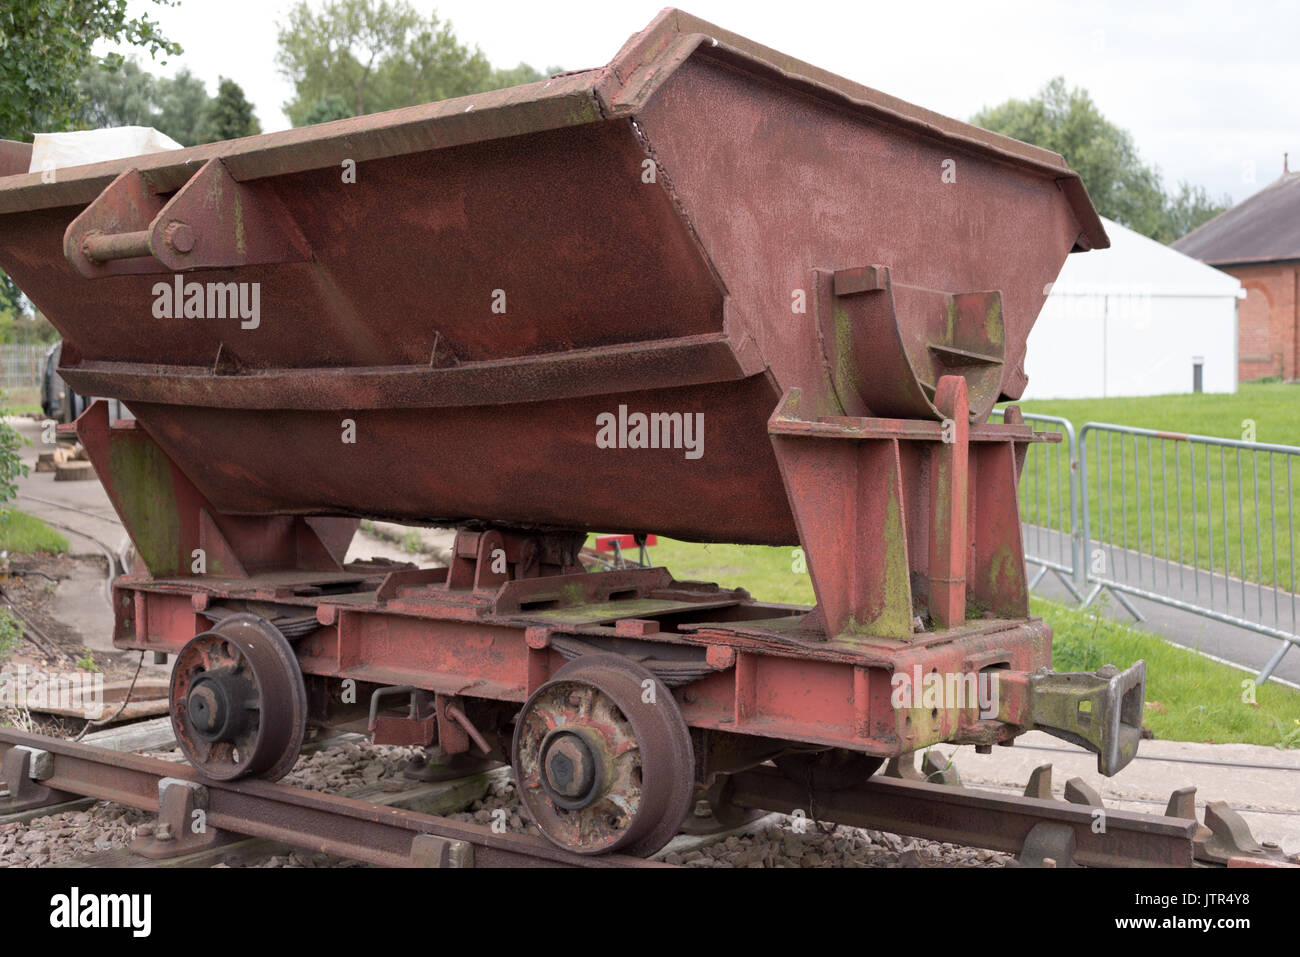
<point>1263,228</point>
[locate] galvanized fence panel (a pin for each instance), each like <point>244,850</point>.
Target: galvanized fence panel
<point>1050,506</point>
<point>1198,523</point>
<point>21,365</point>
<point>1195,522</point>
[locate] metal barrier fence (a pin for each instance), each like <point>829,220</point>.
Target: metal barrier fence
<point>1198,523</point>
<point>1050,505</point>
<point>21,365</point>
<point>1173,535</point>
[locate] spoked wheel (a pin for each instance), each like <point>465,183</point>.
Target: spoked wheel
<point>238,703</point>
<point>604,760</point>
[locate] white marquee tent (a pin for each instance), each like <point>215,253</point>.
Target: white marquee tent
<point>1136,319</point>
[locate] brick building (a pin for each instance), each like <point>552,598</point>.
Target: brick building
<point>1258,241</point>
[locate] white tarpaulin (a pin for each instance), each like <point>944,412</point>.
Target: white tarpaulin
<point>57,150</point>
<point>1138,318</point>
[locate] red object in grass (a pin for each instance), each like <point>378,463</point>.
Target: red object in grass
<point>605,543</point>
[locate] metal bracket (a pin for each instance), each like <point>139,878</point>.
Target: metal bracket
<point>182,826</point>
<point>213,221</point>
<point>933,769</point>
<point>1040,783</point>
<point>1048,845</point>
<point>429,850</point>
<point>1079,791</point>
<point>1101,712</point>
<point>22,768</point>
<point>419,727</point>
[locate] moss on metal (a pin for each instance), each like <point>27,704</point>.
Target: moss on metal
<point>142,482</point>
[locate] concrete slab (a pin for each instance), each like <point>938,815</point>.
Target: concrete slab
<point>79,602</point>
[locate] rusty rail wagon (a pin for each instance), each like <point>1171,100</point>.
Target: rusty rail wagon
<point>707,291</point>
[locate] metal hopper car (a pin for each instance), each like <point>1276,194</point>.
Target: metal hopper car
<point>706,291</point>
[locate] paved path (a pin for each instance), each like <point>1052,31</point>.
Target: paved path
<point>90,525</point>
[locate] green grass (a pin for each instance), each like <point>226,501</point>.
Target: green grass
<point>1272,406</point>
<point>21,533</point>
<point>1190,697</point>
<point>769,574</point>
<point>23,401</point>
<point>11,634</point>
<point>1151,494</point>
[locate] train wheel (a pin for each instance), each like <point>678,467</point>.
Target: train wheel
<point>603,758</point>
<point>238,703</point>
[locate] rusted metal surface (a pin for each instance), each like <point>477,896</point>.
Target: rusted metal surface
<point>384,836</point>
<point>426,315</point>
<point>482,630</point>
<point>891,511</point>
<point>23,769</point>
<point>15,158</point>
<point>376,295</point>
<point>734,664</point>
<point>603,758</point>
<point>238,705</point>
<point>211,222</point>
<point>976,818</point>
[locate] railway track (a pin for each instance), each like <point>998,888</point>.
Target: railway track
<point>51,770</point>
<point>42,771</point>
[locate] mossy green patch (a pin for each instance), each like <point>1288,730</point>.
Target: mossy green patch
<point>142,479</point>
<point>993,328</point>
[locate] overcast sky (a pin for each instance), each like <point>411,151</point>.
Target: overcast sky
<point>1209,90</point>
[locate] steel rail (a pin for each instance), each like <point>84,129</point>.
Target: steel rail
<point>327,823</point>
<point>388,836</point>
<point>974,818</point>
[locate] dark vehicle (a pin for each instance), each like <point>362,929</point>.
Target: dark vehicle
<point>58,399</point>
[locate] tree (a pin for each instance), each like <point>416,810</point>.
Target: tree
<point>1189,207</point>
<point>45,48</point>
<point>230,115</point>
<point>1121,186</point>
<point>521,74</point>
<point>11,297</point>
<point>121,95</point>
<point>327,108</point>
<point>374,55</point>
<point>17,327</point>
<point>45,51</point>
<point>182,103</point>
<point>126,95</point>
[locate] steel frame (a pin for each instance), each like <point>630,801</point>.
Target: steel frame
<point>486,627</point>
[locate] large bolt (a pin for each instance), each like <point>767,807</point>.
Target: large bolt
<point>179,236</point>
<point>204,708</point>
<point>214,707</point>
<point>570,767</point>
